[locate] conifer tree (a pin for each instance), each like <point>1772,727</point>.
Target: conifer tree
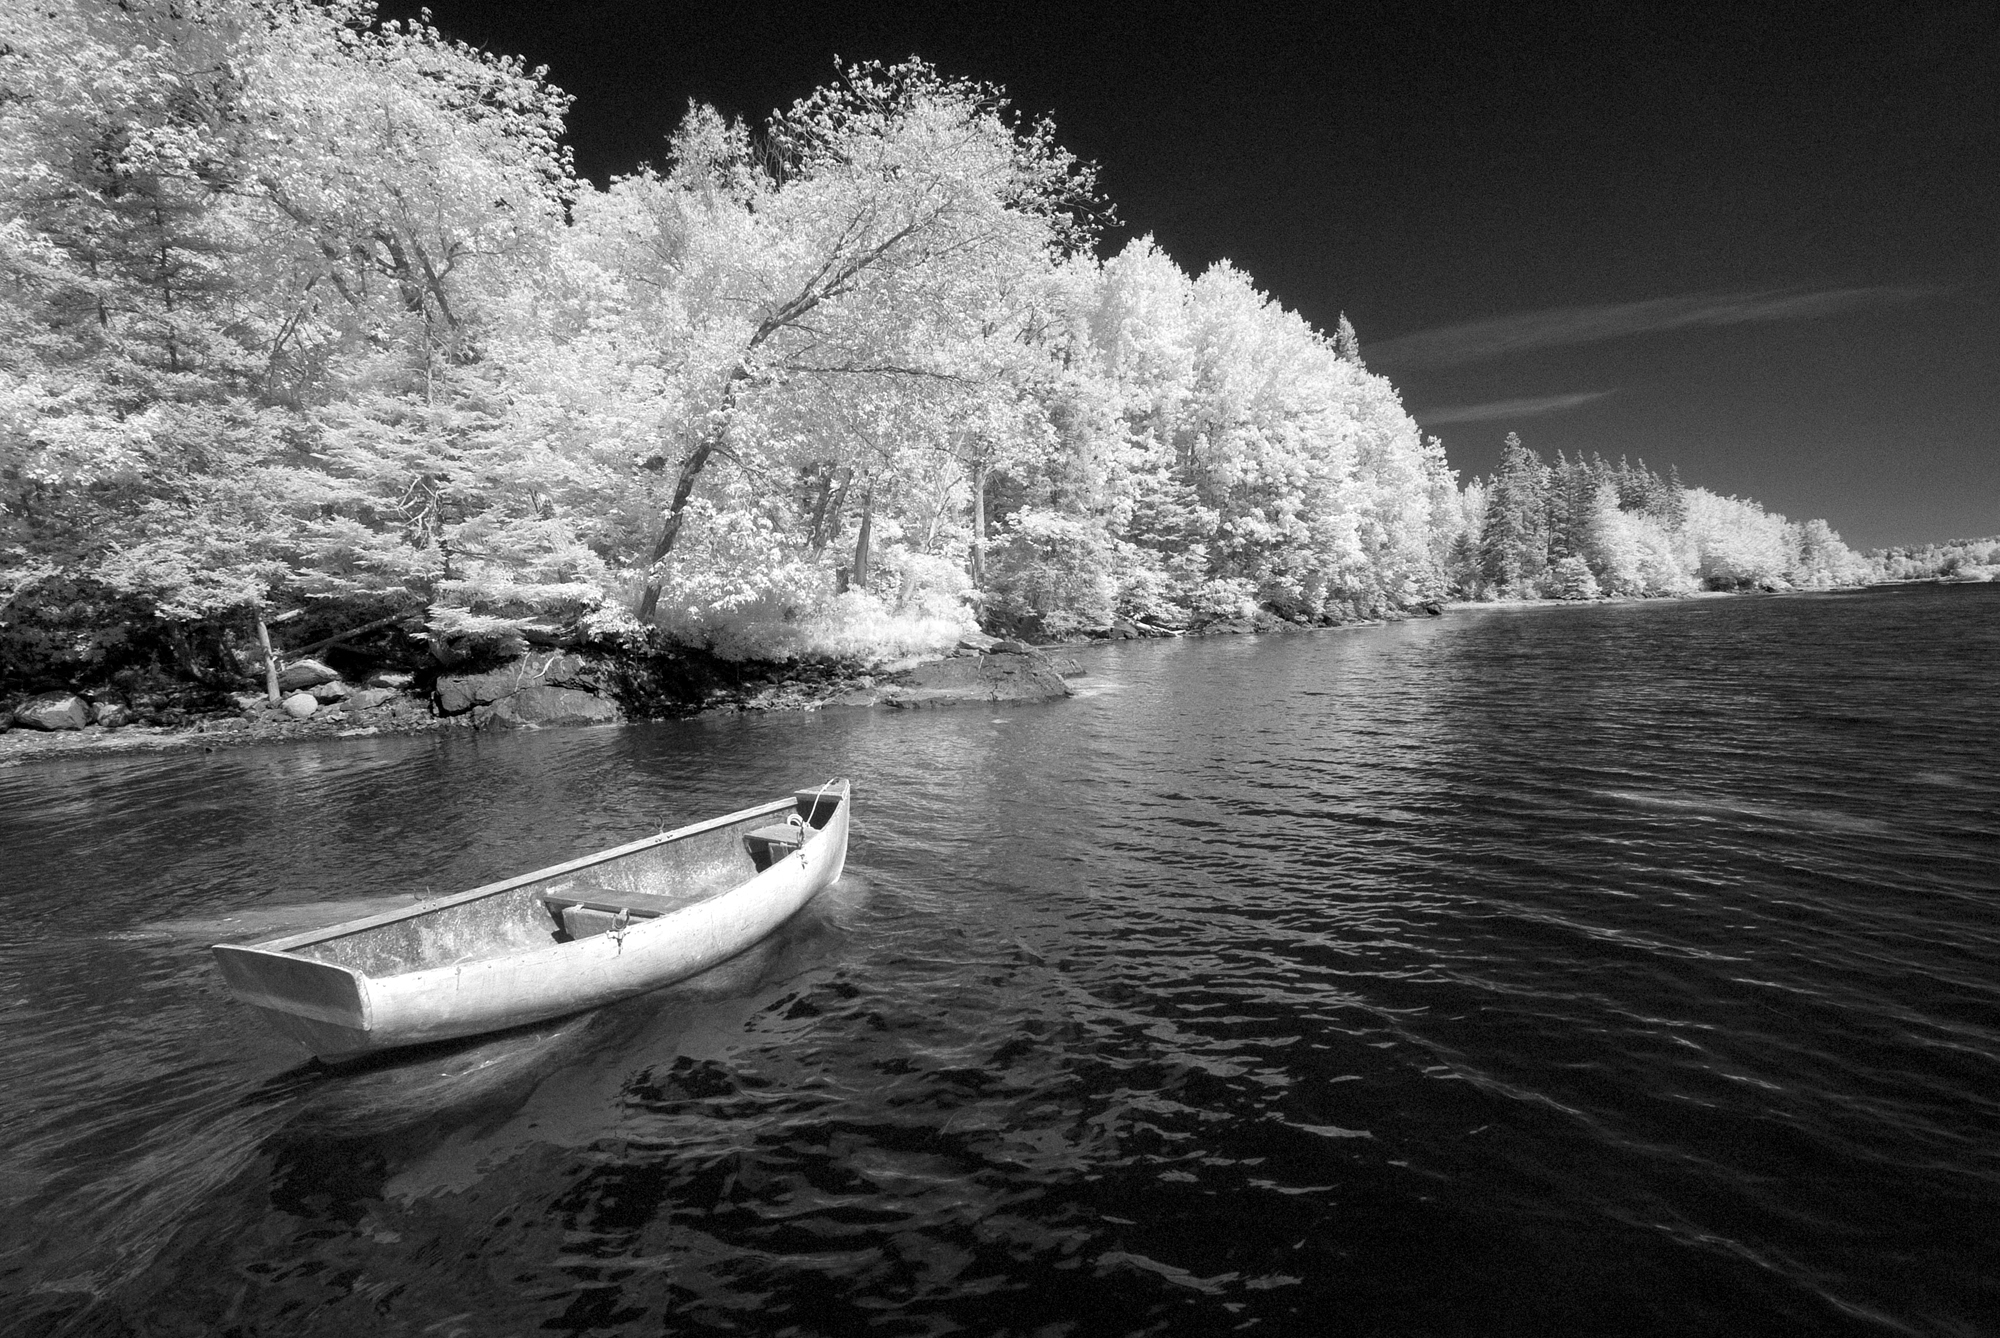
<point>1513,550</point>
<point>1346,343</point>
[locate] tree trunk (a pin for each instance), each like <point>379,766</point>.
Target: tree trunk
<point>832,497</point>
<point>861,539</point>
<point>979,525</point>
<point>670,528</point>
<point>270,660</point>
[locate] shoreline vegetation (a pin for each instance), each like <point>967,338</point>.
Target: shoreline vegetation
<point>332,399</point>
<point>569,690</point>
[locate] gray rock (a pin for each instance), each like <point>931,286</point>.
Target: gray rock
<point>335,691</point>
<point>388,679</point>
<point>1009,646</point>
<point>111,715</point>
<point>977,641</point>
<point>536,707</point>
<point>1068,666</point>
<point>998,677</point>
<point>369,698</point>
<point>459,693</point>
<point>541,632</point>
<point>305,674</point>
<point>300,705</point>
<point>249,702</point>
<point>1124,629</point>
<point>53,711</point>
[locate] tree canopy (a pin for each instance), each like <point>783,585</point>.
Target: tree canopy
<point>299,305</point>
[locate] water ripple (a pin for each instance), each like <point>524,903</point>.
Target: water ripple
<point>1620,970</point>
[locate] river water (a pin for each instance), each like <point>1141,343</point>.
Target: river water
<point>1628,969</point>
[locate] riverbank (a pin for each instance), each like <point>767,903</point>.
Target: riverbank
<point>552,689</point>
<point>568,689</point>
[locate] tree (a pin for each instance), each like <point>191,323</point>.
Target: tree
<point>1513,548</point>
<point>1347,344</point>
<point>255,240</point>
<point>888,211</point>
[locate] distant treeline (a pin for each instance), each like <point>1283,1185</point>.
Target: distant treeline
<point>1976,558</point>
<point>303,310</point>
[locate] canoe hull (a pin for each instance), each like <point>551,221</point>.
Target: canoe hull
<point>338,1012</point>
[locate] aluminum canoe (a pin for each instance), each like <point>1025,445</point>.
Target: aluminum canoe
<point>549,943</point>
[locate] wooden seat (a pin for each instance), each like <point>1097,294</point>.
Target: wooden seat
<point>768,845</point>
<point>598,910</point>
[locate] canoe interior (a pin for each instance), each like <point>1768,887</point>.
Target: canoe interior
<point>653,877</point>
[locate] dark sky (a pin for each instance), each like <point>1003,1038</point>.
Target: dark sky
<point>1761,243</point>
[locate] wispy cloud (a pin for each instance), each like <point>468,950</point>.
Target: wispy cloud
<point>1522,408</point>
<point>1476,341</point>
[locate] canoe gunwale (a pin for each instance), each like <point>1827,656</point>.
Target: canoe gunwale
<point>290,942</point>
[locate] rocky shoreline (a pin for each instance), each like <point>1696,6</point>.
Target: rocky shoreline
<point>542,689</point>
<point>565,687</point>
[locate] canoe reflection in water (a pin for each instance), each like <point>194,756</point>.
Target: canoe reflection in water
<point>549,943</point>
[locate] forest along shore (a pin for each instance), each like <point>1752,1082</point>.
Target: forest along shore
<point>564,688</point>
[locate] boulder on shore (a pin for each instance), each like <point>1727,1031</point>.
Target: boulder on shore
<point>538,707</point>
<point>331,691</point>
<point>996,677</point>
<point>53,711</point>
<point>305,674</point>
<point>459,693</point>
<point>301,705</point>
<point>541,688</point>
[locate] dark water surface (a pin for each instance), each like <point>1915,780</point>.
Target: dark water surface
<point>1625,970</point>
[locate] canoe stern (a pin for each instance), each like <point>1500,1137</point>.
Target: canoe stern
<point>323,1007</point>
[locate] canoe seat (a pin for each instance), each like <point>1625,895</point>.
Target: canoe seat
<point>768,845</point>
<point>601,910</point>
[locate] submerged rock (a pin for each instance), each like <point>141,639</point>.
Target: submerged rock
<point>53,711</point>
